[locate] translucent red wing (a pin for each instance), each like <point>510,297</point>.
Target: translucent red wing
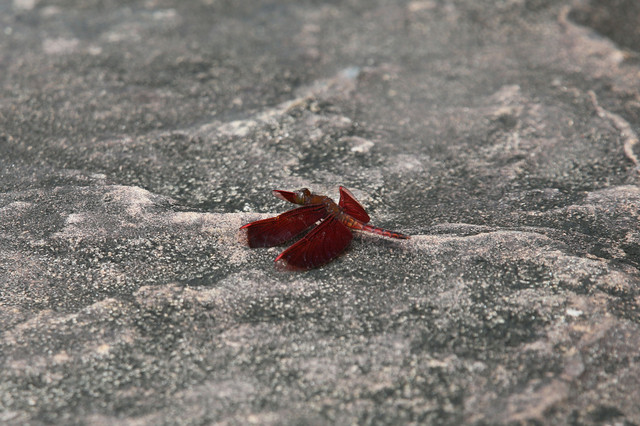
<point>318,247</point>
<point>280,229</point>
<point>351,206</point>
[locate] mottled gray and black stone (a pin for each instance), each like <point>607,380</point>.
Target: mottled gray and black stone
<point>136,137</point>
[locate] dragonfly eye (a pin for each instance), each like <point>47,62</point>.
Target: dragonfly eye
<point>303,195</point>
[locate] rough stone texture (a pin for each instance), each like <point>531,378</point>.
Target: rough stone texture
<point>136,137</point>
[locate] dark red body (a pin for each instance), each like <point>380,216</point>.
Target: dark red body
<point>323,243</point>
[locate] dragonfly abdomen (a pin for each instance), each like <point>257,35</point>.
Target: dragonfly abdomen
<point>356,224</point>
<point>384,232</point>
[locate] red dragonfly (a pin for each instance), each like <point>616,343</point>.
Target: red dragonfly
<point>323,243</point>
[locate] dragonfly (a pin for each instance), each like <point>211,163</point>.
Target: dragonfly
<point>324,242</point>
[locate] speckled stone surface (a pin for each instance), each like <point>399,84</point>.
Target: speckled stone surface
<point>136,137</point>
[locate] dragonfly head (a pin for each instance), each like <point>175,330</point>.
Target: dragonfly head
<point>302,196</point>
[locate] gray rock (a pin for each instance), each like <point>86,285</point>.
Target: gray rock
<point>137,137</point>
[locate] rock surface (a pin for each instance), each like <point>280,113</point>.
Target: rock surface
<point>137,137</point>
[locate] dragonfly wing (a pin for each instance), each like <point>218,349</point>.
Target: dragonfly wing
<point>318,247</point>
<point>351,206</point>
<point>280,229</point>
<point>285,195</point>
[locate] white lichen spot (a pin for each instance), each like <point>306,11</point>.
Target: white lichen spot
<point>409,163</point>
<point>186,218</point>
<point>60,46</point>
<point>103,349</point>
<point>25,4</point>
<point>61,357</point>
<point>315,134</point>
<point>349,73</point>
<point>74,218</point>
<point>48,11</point>
<point>507,94</point>
<point>124,33</point>
<point>137,198</point>
<point>573,312</point>
<point>360,145</point>
<point>436,363</point>
<point>416,6</point>
<point>15,206</point>
<point>165,14</point>
<point>237,128</point>
<point>94,50</point>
